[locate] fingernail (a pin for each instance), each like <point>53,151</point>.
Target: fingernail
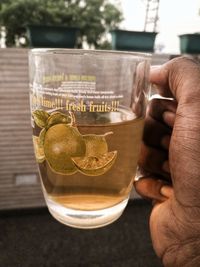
<point>169,118</point>
<point>166,191</point>
<point>155,67</point>
<point>165,166</point>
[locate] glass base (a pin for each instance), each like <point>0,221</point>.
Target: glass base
<point>85,219</point>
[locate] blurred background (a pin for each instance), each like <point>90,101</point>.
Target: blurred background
<point>95,19</point>
<point>174,18</point>
<point>166,29</point>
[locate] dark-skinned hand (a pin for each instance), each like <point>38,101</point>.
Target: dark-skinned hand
<point>170,163</point>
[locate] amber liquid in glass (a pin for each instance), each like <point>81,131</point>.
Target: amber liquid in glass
<point>81,192</point>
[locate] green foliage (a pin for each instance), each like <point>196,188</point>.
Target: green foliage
<point>93,17</point>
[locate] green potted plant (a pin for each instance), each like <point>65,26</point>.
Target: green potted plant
<point>139,40</point>
<point>133,40</point>
<point>52,36</point>
<point>190,43</point>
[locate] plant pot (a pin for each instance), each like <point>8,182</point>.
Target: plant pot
<point>190,43</point>
<point>52,36</point>
<point>133,40</point>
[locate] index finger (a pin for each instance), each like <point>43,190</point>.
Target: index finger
<point>159,81</point>
<point>175,77</point>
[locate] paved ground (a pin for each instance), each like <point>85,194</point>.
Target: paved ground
<point>34,239</point>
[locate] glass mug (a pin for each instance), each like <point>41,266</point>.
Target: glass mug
<point>88,110</point>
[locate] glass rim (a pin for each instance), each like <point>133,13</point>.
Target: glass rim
<point>95,52</point>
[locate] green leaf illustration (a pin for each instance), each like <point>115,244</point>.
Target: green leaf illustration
<point>40,117</point>
<point>58,117</point>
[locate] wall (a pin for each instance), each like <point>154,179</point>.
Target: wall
<point>16,151</point>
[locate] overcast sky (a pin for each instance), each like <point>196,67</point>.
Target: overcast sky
<point>175,17</point>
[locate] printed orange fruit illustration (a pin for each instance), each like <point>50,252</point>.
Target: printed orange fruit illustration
<point>96,144</point>
<point>61,143</point>
<point>95,166</point>
<point>66,150</point>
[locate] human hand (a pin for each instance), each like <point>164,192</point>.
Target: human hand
<point>170,162</point>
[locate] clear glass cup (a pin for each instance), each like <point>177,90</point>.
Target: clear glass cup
<point>88,110</point>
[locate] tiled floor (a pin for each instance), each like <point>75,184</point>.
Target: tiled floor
<point>35,239</point>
